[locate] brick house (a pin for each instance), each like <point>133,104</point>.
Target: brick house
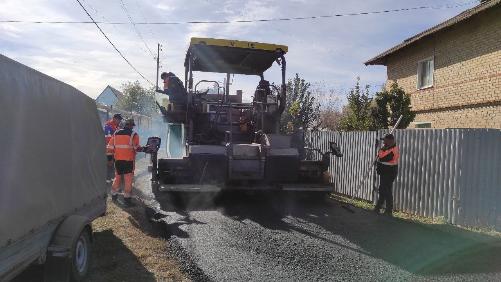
<point>453,70</point>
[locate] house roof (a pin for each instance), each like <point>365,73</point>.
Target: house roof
<point>115,92</point>
<point>381,58</point>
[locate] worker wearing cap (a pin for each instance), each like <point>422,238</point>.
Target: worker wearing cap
<point>110,127</point>
<point>124,144</point>
<point>173,87</point>
<point>165,77</point>
<point>387,168</point>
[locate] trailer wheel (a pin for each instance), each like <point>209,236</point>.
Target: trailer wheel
<point>69,253</point>
<point>81,255</point>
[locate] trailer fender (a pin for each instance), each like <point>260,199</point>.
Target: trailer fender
<point>63,263</point>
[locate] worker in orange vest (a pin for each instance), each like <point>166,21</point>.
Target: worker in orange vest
<point>124,144</point>
<point>387,168</point>
<point>110,127</point>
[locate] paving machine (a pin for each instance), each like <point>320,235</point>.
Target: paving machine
<point>227,144</point>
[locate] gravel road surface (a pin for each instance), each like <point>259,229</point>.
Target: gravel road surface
<point>243,237</point>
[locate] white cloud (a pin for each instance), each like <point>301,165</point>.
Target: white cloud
<point>328,50</point>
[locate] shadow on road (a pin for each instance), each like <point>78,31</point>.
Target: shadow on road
<point>418,248</point>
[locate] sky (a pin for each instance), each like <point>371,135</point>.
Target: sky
<point>327,52</point>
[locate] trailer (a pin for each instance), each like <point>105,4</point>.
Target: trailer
<point>228,144</point>
<point>52,174</point>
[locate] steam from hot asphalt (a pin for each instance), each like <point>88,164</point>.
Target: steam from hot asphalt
<point>243,237</point>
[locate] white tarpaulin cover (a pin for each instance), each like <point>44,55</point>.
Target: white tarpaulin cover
<point>52,159</point>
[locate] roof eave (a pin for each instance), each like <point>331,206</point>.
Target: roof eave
<point>376,61</point>
<point>381,59</point>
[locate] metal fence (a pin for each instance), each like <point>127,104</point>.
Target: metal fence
<point>449,173</point>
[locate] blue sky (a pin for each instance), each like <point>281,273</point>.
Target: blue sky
<point>328,52</point>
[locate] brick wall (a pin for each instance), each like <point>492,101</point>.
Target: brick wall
<point>476,117</point>
<point>467,78</point>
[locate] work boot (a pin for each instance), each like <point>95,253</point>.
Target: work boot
<point>128,202</point>
<point>376,210</point>
<point>114,197</point>
<point>388,213</point>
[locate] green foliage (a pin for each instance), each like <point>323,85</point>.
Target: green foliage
<point>389,105</point>
<point>301,108</point>
<point>137,99</point>
<point>379,110</point>
<point>364,112</point>
<point>357,113</point>
<point>294,109</point>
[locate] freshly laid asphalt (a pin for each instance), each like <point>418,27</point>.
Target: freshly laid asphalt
<point>264,237</point>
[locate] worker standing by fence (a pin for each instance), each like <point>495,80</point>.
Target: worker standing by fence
<point>124,144</point>
<point>110,127</point>
<point>387,168</point>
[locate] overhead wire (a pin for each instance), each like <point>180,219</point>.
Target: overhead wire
<point>115,47</point>
<point>96,13</point>
<point>141,13</point>
<point>138,33</point>
<point>251,20</point>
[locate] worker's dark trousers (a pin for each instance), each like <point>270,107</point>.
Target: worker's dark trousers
<point>111,168</point>
<point>387,175</point>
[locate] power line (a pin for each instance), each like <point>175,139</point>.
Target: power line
<point>115,47</point>
<point>144,19</point>
<point>88,4</point>
<point>135,28</point>
<point>251,21</point>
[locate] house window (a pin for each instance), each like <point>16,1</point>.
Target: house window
<point>425,73</point>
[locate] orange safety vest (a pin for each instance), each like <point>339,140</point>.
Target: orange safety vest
<point>124,144</point>
<point>389,156</point>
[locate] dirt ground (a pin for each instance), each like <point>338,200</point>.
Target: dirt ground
<point>127,247</point>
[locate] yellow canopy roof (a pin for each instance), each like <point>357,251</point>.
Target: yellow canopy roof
<point>232,56</point>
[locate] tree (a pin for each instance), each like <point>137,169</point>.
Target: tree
<point>330,117</point>
<point>301,109</point>
<point>389,105</point>
<point>379,110</point>
<point>137,99</point>
<point>357,113</point>
<point>330,107</point>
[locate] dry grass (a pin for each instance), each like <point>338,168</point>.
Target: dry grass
<point>438,222</point>
<point>128,248</point>
<point>369,206</point>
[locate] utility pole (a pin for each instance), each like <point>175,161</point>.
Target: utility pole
<point>227,90</point>
<point>158,65</point>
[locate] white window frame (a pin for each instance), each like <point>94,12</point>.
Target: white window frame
<point>418,86</point>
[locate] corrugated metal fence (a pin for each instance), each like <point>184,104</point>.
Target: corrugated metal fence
<point>450,173</point>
